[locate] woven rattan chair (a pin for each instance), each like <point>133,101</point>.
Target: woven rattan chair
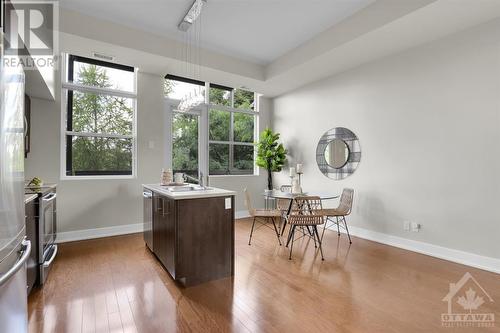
<point>306,212</point>
<point>262,216</point>
<point>339,213</point>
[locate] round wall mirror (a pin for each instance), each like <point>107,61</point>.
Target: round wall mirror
<point>338,153</point>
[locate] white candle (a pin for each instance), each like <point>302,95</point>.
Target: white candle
<point>292,172</point>
<point>299,168</point>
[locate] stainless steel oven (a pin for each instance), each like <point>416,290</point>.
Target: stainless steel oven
<point>47,233</point>
<point>148,217</point>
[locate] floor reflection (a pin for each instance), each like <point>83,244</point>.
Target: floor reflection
<point>117,285</point>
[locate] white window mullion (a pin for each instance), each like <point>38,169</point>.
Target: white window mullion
<point>98,90</point>
<point>100,135</point>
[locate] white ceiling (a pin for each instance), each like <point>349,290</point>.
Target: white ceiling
<point>382,28</point>
<point>259,31</point>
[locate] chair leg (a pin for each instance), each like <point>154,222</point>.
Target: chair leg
<point>291,246</point>
<point>284,227</point>
<point>324,227</point>
<point>347,229</point>
<point>313,236</point>
<point>320,246</point>
<point>289,236</point>
<point>276,230</point>
<point>251,232</point>
<point>338,227</point>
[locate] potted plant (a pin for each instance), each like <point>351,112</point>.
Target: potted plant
<point>271,155</point>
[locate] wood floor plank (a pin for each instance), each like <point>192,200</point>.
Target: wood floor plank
<point>117,285</point>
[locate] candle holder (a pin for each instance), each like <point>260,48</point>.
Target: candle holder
<point>300,178</point>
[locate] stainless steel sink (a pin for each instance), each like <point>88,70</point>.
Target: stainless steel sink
<point>189,188</point>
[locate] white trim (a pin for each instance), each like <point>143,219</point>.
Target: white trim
<point>99,91</point>
<point>226,108</point>
<point>99,135</point>
<point>234,143</point>
<point>234,175</point>
<point>97,177</point>
<point>460,257</point>
<point>71,236</point>
<point>78,235</point>
<point>241,214</point>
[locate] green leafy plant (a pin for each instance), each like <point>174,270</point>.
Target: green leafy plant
<point>271,155</point>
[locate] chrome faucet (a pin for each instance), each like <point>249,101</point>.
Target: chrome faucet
<point>198,180</point>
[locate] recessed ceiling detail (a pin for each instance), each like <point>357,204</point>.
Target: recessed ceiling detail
<point>254,30</point>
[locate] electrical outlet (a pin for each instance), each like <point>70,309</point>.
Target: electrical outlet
<point>415,227</point>
<point>406,225</point>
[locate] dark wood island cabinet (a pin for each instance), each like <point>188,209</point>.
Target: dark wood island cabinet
<point>193,233</point>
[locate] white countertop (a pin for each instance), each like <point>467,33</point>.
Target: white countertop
<point>29,197</point>
<point>210,193</point>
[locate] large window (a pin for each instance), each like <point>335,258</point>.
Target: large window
<point>185,143</point>
<point>100,118</point>
<point>232,120</point>
<point>231,127</point>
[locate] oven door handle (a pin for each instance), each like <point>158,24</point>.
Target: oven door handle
<point>47,263</point>
<point>50,197</point>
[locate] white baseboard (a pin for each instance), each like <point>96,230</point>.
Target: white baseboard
<point>460,257</point>
<point>241,214</point>
<point>71,236</point>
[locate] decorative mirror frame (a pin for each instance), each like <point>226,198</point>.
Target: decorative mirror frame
<point>352,142</point>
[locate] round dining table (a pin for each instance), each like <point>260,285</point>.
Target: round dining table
<point>276,194</point>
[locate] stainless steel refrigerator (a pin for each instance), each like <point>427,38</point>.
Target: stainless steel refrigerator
<point>14,249</point>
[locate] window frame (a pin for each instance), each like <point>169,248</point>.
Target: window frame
<point>205,125</point>
<point>231,170</point>
<point>67,89</point>
<point>195,113</point>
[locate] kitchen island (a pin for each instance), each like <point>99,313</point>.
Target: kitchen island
<point>190,231</point>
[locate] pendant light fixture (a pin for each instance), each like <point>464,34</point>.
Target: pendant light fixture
<point>191,26</point>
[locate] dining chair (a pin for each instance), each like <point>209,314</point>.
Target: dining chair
<point>262,216</point>
<point>283,205</point>
<point>307,211</point>
<point>344,209</point>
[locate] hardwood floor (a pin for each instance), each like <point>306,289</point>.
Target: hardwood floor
<point>116,285</point>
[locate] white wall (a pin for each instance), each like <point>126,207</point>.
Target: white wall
<point>94,204</point>
<point>428,121</point>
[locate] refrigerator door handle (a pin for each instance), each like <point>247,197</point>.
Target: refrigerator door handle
<point>20,263</point>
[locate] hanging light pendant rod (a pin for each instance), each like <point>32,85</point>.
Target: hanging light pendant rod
<point>192,14</point>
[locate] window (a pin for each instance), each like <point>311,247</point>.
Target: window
<point>100,118</point>
<point>230,130</point>
<point>176,87</point>
<point>185,143</point>
<point>220,95</point>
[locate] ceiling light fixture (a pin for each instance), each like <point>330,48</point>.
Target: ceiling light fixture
<point>191,15</point>
<point>193,55</point>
